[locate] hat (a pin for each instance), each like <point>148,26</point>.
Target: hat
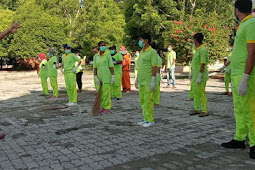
<point>66,46</point>
<point>113,47</point>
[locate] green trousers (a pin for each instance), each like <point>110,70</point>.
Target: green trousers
<point>54,85</point>
<point>227,80</point>
<point>156,95</point>
<point>244,109</point>
<point>70,80</point>
<point>106,102</point>
<point>116,87</point>
<point>191,93</point>
<point>200,96</point>
<point>147,104</point>
<point>44,84</point>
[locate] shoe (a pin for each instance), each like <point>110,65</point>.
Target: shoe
<point>141,123</point>
<point>79,91</point>
<point>105,112</point>
<point>68,104</point>
<point>203,114</point>
<point>72,104</point>
<point>234,144</point>
<point>252,152</point>
<point>174,87</point>
<point>53,98</point>
<point>225,93</point>
<point>230,94</point>
<point>118,99</point>
<point>194,112</point>
<point>127,91</point>
<point>43,95</point>
<point>2,135</point>
<point>148,124</point>
<point>167,86</point>
<point>101,111</point>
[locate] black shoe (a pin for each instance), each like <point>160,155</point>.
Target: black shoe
<point>234,144</point>
<point>252,152</point>
<point>118,99</point>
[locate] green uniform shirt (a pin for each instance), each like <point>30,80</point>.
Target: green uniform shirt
<point>118,67</point>
<point>53,72</point>
<point>69,62</point>
<point>200,57</point>
<point>103,64</point>
<point>136,64</point>
<point>244,35</point>
<point>148,58</point>
<point>44,73</point>
<point>170,57</point>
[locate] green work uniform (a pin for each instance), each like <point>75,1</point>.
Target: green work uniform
<point>244,106</point>
<point>147,60</point>
<point>44,74</point>
<point>156,93</point>
<point>200,57</point>
<point>70,77</point>
<point>53,74</point>
<point>227,78</point>
<point>116,87</point>
<point>103,64</point>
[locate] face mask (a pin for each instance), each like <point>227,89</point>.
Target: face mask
<point>236,18</point>
<point>169,49</point>
<point>39,59</point>
<point>137,54</point>
<point>103,48</point>
<point>49,54</point>
<point>140,43</point>
<point>121,52</point>
<point>68,51</point>
<point>112,52</point>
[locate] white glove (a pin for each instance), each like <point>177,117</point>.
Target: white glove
<point>157,78</point>
<point>190,75</point>
<point>228,70</point>
<point>136,83</point>
<point>54,66</point>
<point>199,78</point>
<point>114,62</point>
<point>243,85</point>
<point>62,71</point>
<point>97,81</point>
<point>75,69</point>
<point>113,79</point>
<point>153,83</point>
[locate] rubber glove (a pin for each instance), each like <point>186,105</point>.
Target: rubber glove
<point>113,79</point>
<point>54,66</point>
<point>97,81</point>
<point>157,78</point>
<point>153,83</point>
<point>136,83</point>
<point>199,78</point>
<point>228,70</point>
<point>62,71</point>
<point>243,85</point>
<point>114,62</point>
<point>75,69</point>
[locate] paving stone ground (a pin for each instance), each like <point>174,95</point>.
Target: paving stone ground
<point>72,138</point>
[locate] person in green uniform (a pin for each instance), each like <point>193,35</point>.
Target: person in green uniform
<point>117,61</point>
<point>12,29</point>
<point>94,51</point>
<point>171,59</point>
<point>200,76</point>
<point>44,73</point>
<point>191,93</point>
<point>136,64</point>
<point>69,70</point>
<point>79,73</point>
<point>147,70</point>
<point>227,78</point>
<point>104,75</point>
<point>156,93</point>
<point>243,78</point>
<point>53,72</point>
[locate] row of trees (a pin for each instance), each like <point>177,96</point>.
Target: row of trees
<point>83,23</point>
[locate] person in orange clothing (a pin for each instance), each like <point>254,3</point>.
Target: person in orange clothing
<point>126,69</point>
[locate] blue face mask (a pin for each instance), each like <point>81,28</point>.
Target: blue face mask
<point>137,54</point>
<point>112,52</point>
<point>103,48</point>
<point>67,51</point>
<point>235,18</point>
<point>140,43</point>
<point>121,52</point>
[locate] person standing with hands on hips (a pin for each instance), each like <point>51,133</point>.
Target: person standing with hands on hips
<point>69,70</point>
<point>104,75</point>
<point>243,78</point>
<point>146,80</point>
<point>200,76</point>
<point>171,58</point>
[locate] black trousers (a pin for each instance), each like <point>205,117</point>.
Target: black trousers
<point>79,80</point>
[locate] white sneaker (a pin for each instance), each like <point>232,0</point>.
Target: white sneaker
<point>141,123</point>
<point>67,104</point>
<point>148,124</point>
<point>72,104</point>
